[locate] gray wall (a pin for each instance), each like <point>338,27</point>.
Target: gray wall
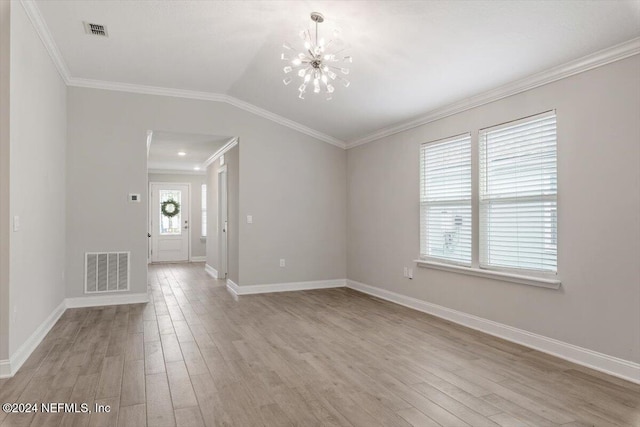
<point>598,222</point>
<point>296,194</point>
<point>5,37</point>
<point>292,183</point>
<point>38,120</point>
<point>198,245</point>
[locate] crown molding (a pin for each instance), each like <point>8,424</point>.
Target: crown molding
<point>33,12</point>
<point>597,59</point>
<point>226,147</point>
<point>38,22</point>
<point>175,172</point>
<point>205,96</point>
<point>586,63</point>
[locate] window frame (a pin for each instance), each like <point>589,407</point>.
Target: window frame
<point>451,202</point>
<point>483,244</point>
<point>540,278</point>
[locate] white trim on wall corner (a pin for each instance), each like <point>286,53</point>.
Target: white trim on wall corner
<point>33,12</point>
<point>205,96</point>
<point>285,287</point>
<point>175,172</point>
<point>233,288</point>
<point>198,259</point>
<point>617,367</point>
<point>226,147</point>
<point>211,271</point>
<point>594,60</point>
<point>5,369</point>
<point>103,300</point>
<point>38,22</point>
<point>8,368</point>
<point>580,65</point>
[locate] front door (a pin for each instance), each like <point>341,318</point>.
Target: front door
<point>169,204</point>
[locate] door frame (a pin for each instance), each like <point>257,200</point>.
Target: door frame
<point>223,240</point>
<point>150,222</point>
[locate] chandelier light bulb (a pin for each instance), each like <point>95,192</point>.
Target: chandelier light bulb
<point>313,62</point>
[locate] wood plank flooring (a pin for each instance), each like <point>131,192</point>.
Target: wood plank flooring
<point>196,357</point>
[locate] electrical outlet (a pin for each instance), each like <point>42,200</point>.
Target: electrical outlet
<point>282,263</point>
<point>406,273</point>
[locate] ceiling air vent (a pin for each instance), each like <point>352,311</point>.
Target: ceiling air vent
<point>95,29</point>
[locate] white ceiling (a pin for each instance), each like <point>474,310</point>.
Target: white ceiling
<point>164,148</point>
<point>410,57</point>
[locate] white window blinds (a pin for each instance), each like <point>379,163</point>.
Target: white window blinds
<point>518,195</point>
<point>445,200</point>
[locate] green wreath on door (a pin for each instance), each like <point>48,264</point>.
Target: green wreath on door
<point>170,208</point>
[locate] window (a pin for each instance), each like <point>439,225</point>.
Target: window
<point>518,195</point>
<point>203,200</point>
<point>515,207</point>
<point>170,226</point>
<point>445,200</point>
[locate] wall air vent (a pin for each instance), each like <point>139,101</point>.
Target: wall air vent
<point>106,272</point>
<point>95,29</point>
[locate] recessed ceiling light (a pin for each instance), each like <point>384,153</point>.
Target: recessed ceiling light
<point>181,153</point>
<point>197,168</point>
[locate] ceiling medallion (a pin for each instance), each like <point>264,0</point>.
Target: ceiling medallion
<point>316,64</point>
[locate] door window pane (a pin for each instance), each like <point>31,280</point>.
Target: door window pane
<point>170,225</point>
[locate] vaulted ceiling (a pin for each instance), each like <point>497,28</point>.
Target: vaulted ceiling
<point>409,57</point>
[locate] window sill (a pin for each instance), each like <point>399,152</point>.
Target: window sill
<point>497,275</point>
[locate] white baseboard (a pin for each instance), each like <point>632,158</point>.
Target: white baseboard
<point>107,299</point>
<point>8,368</point>
<point>285,287</point>
<point>611,365</point>
<point>5,369</point>
<point>233,288</point>
<point>198,259</point>
<point>211,271</point>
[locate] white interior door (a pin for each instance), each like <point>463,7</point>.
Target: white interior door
<point>222,220</point>
<point>169,234</point>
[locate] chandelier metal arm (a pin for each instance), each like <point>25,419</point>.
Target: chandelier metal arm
<point>314,67</point>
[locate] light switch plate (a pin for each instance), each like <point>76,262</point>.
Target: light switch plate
<point>16,223</point>
<point>249,219</point>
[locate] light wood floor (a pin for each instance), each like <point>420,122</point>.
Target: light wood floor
<point>194,357</point>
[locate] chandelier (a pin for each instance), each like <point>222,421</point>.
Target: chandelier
<point>316,65</point>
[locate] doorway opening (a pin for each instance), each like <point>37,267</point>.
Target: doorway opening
<point>188,202</point>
